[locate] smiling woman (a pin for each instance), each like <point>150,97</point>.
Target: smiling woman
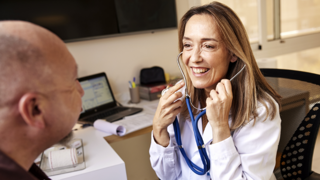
<point>202,43</point>
<point>241,128</point>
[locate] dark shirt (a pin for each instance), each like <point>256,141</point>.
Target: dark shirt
<point>10,170</point>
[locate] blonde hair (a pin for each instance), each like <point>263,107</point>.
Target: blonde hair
<point>250,86</point>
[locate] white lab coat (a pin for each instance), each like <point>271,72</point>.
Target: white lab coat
<point>250,153</point>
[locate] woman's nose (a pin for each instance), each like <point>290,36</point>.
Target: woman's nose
<point>196,55</point>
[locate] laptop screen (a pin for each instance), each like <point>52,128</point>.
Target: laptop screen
<point>96,93</point>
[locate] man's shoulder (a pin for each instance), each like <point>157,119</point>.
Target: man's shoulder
<point>9,169</point>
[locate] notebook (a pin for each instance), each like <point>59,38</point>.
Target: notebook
<point>98,101</point>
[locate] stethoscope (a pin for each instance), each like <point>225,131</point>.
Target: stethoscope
<point>201,146</point>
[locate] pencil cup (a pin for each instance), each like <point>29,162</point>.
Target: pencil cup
<point>134,95</point>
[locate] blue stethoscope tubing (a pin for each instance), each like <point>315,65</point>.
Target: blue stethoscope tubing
<point>201,147</point>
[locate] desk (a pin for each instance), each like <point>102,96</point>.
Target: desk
<point>102,162</point>
<point>292,98</point>
<point>133,148</point>
<point>113,138</point>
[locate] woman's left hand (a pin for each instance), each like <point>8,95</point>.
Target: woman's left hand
<point>218,107</point>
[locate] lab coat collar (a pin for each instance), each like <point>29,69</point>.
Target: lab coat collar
<point>207,133</point>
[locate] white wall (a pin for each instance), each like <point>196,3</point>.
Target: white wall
<point>122,57</point>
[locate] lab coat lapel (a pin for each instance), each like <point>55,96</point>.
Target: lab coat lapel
<point>207,134</point>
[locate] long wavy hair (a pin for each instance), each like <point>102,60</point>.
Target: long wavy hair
<point>250,86</point>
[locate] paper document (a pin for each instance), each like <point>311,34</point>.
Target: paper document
<point>135,122</point>
<point>125,126</point>
<point>107,127</point>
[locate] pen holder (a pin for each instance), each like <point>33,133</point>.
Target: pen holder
<point>134,95</point>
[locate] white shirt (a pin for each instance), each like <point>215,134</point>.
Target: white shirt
<point>250,153</point>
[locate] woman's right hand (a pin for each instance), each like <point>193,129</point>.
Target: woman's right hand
<point>167,111</point>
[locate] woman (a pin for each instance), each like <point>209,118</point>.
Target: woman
<point>241,128</point>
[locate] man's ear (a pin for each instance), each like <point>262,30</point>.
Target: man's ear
<point>234,58</point>
<point>30,108</point>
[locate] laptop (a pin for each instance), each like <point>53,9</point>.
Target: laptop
<point>98,101</point>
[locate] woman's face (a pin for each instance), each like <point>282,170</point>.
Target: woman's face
<point>206,58</point>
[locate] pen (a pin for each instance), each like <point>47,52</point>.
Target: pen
<point>134,82</point>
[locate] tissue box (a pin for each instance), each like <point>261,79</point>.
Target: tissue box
<point>151,92</point>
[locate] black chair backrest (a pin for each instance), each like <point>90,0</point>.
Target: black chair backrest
<point>291,74</point>
<point>296,159</point>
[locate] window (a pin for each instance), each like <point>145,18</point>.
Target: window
<point>307,60</point>
<point>247,10</point>
<point>278,27</point>
<point>299,17</point>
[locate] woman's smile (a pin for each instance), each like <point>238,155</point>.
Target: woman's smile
<point>199,71</point>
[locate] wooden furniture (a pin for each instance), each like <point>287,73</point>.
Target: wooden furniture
<point>114,138</point>
<point>133,148</point>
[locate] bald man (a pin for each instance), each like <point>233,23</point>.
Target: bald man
<point>40,96</point>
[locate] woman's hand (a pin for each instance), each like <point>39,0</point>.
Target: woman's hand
<point>166,112</point>
<point>218,107</point>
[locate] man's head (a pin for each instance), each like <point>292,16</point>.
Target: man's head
<point>40,97</point>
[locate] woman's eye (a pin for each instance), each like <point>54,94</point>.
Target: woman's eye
<point>186,45</point>
<point>209,46</point>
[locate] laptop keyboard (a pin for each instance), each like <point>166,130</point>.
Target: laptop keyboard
<point>105,114</point>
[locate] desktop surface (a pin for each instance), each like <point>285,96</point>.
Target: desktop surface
<point>102,162</point>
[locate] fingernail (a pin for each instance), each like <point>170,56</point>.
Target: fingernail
<point>182,82</point>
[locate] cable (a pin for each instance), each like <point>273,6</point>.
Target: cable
<point>201,147</point>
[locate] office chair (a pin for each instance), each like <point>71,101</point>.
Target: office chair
<point>296,158</point>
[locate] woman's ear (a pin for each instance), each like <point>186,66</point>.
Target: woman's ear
<point>234,58</point>
<point>30,108</point>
